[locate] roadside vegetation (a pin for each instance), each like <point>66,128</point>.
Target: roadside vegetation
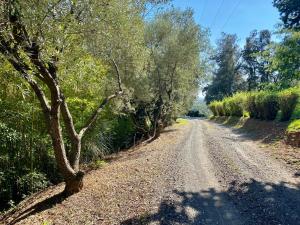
<point>260,81</point>
<point>83,79</point>
<point>264,105</point>
<point>80,80</point>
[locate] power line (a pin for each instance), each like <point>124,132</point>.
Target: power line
<point>218,11</point>
<point>231,14</point>
<point>203,10</point>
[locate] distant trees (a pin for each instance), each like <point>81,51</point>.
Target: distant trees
<point>267,68</point>
<point>227,77</point>
<point>261,64</point>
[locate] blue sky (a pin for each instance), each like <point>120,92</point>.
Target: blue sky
<point>232,16</point>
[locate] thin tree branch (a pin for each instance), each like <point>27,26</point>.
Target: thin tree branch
<point>68,120</point>
<point>118,75</point>
<point>14,58</point>
<point>34,85</point>
<point>94,116</point>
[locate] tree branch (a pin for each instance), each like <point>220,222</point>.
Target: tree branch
<point>68,120</point>
<point>118,75</point>
<point>94,116</point>
<point>20,36</point>
<point>14,58</point>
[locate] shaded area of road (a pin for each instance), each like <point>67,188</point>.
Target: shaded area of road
<point>223,178</point>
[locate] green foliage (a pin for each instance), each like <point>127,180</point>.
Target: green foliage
<point>284,59</point>
<point>296,113</point>
<point>233,106</point>
<point>288,100</point>
<point>32,182</point>
<point>97,164</point>
<point>217,107</point>
<point>266,103</point>
<point>122,131</point>
<point>294,126</point>
<point>259,105</point>
<point>213,109</point>
<point>250,105</point>
<point>230,106</point>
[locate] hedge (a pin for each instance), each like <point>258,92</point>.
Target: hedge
<point>287,102</point>
<point>267,105</point>
<point>259,105</point>
<point>217,107</point>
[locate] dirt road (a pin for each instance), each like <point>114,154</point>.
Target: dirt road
<point>225,179</point>
<point>199,173</point>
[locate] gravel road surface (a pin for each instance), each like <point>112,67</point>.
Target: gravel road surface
<point>198,173</point>
<point>222,178</point>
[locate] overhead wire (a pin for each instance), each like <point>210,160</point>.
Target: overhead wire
<point>231,14</point>
<point>203,10</point>
<point>217,14</point>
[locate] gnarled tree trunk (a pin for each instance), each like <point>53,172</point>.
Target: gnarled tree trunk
<point>15,44</point>
<point>74,184</point>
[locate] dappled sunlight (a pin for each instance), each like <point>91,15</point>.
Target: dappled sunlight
<point>252,202</point>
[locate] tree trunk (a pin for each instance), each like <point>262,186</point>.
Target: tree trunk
<point>12,46</point>
<point>75,154</point>
<point>74,184</point>
<point>73,178</point>
<point>59,148</point>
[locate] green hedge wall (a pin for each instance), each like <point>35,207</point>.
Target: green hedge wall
<point>263,105</point>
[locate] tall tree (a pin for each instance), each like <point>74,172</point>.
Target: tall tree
<point>254,65</point>
<point>290,12</point>
<point>227,78</point>
<point>175,42</point>
<point>284,59</point>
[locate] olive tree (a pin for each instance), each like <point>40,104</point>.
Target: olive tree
<point>35,38</point>
<point>176,44</point>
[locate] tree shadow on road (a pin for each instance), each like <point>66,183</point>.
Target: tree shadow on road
<point>253,202</point>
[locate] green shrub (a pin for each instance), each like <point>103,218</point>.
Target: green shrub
<point>213,109</point>
<point>259,105</point>
<point>263,105</point>
<point>287,102</point>
<point>217,108</point>
<point>250,106</point>
<point>226,106</point>
<point>220,108</point>
<point>234,105</point>
<point>267,106</point>
<point>32,182</point>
